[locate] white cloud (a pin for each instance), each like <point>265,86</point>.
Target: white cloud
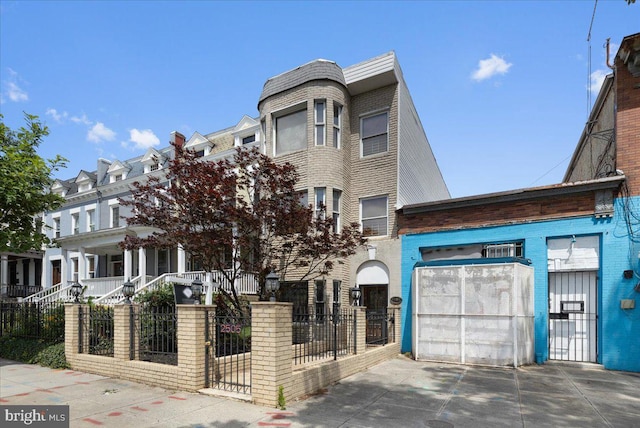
<point>596,79</point>
<point>58,117</point>
<point>142,139</point>
<point>82,119</point>
<point>11,88</point>
<point>99,133</point>
<point>490,67</point>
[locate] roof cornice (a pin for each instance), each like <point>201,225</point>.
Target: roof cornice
<point>517,195</point>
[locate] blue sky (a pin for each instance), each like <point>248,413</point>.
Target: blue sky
<point>501,87</point>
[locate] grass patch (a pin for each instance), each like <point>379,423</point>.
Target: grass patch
<point>34,351</point>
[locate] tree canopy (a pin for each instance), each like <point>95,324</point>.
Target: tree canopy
<point>25,179</point>
<point>239,215</point>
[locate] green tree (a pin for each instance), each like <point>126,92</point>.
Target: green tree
<point>25,179</point>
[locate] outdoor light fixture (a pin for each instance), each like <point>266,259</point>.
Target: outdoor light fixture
<point>128,289</point>
<point>355,295</point>
<point>272,284</point>
<point>196,289</point>
<point>76,291</point>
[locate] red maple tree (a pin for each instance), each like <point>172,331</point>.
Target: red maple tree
<point>237,216</point>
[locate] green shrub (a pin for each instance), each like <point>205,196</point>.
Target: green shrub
<point>33,351</point>
<point>52,356</point>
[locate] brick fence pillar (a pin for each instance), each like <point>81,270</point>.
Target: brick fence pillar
<point>124,331</point>
<point>71,334</point>
<point>396,310</point>
<point>271,351</point>
<point>191,345</point>
<point>361,329</point>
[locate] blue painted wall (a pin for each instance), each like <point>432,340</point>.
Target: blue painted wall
<point>618,329</point>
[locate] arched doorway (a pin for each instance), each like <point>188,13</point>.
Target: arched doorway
<point>373,280</point>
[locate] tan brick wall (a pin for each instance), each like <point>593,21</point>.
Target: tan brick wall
<point>311,379</point>
<point>271,352</point>
<point>189,375</point>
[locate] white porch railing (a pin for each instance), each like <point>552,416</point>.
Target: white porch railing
<point>53,294</point>
<point>97,287</point>
<point>108,291</point>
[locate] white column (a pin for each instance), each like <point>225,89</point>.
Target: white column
<point>64,267</point>
<point>142,265</point>
<point>127,264</point>
<point>82,264</point>
<point>4,273</point>
<point>182,260</point>
<point>32,272</point>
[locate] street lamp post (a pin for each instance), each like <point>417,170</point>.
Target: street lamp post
<point>355,295</point>
<point>76,291</point>
<point>272,284</point>
<point>196,289</point>
<point>128,290</point>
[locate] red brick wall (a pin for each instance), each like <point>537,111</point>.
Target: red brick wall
<point>499,213</point>
<point>628,121</point>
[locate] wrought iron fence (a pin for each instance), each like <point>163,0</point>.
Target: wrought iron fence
<point>322,336</point>
<point>43,321</point>
<point>228,347</point>
<point>381,327</point>
<point>155,328</point>
<point>96,326</point>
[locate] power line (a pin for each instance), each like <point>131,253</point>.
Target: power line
<point>593,17</point>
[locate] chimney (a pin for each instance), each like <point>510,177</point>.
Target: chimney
<point>177,139</point>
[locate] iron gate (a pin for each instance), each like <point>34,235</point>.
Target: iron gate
<point>573,315</point>
<point>228,351</point>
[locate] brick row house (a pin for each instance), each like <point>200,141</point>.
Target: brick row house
<point>356,139</point>
<point>579,241</point>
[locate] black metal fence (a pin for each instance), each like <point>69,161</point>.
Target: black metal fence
<point>322,336</point>
<point>155,328</point>
<point>381,327</point>
<point>96,326</point>
<point>228,347</point>
<point>43,321</point>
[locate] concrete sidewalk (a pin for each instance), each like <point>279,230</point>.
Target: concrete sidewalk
<point>398,393</point>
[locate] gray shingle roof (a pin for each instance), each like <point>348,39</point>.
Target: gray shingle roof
<point>319,69</point>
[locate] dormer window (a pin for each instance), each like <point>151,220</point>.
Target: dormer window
<point>152,161</point>
<point>246,132</point>
<point>85,181</point>
<point>117,171</point>
<point>199,144</point>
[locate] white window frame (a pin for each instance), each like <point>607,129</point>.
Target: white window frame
<point>75,223</point>
<point>363,118</point>
<point>320,199</point>
<point>386,216</point>
<point>91,220</point>
<point>319,118</point>
<point>56,226</point>
<point>336,209</point>
<point>337,125</point>
<point>288,112</point>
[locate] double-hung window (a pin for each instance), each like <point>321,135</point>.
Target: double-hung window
<point>115,216</point>
<point>91,216</point>
<point>337,125</point>
<point>373,216</point>
<point>374,131</point>
<point>291,132</point>
<point>321,202</point>
<point>337,196</point>
<point>320,108</point>
<point>75,223</point>
<point>56,227</point>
